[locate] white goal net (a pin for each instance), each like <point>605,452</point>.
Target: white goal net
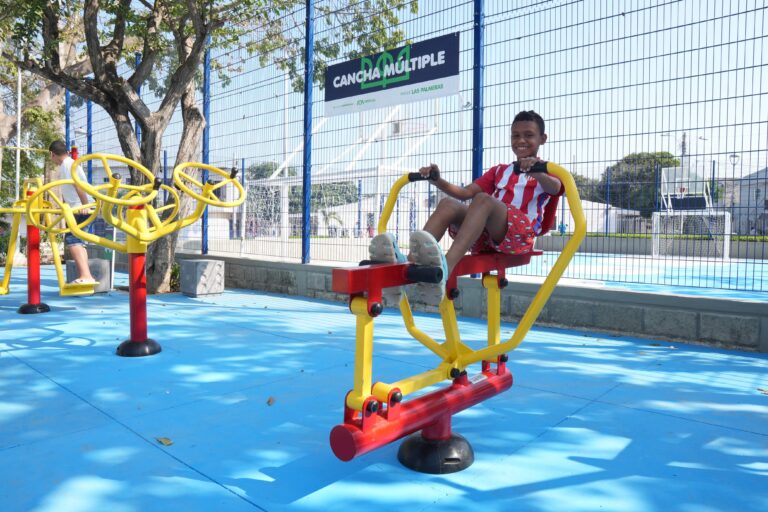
<point>692,233</point>
<point>689,224</point>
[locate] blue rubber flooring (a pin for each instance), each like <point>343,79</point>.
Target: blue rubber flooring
<point>249,385</point>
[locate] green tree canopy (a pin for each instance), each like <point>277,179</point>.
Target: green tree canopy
<point>172,36</point>
<point>631,183</point>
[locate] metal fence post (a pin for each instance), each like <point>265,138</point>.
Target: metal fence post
<point>165,175</point>
<point>89,136</point>
<point>138,91</point>
<point>657,182</point>
<point>477,91</point>
<point>607,197</point>
<point>245,204</point>
<point>206,137</point>
<point>66,118</point>
<point>309,69</point>
<point>359,207</point>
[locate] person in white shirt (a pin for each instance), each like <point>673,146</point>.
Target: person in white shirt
<point>76,198</point>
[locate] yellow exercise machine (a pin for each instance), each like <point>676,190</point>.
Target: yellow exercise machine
<point>375,413</point>
<point>129,208</point>
<point>38,203</point>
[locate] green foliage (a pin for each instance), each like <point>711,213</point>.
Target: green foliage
<point>39,129</point>
<point>272,30</point>
<point>175,284</point>
<point>587,187</point>
<point>264,170</point>
<point>5,240</point>
<point>31,165</point>
<point>631,182</point>
<point>325,195</point>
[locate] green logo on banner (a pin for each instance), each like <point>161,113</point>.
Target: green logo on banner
<point>388,69</point>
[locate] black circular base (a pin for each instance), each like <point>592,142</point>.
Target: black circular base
<point>436,456</point>
<point>130,348</point>
<point>31,309</point>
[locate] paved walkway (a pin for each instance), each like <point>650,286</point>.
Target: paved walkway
<point>249,385</point>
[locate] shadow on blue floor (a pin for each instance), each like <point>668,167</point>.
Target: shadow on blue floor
<point>249,385</point>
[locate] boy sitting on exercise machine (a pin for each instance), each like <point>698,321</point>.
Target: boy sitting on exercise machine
<point>505,213</point>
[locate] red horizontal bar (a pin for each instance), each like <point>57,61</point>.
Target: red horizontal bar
<point>353,438</point>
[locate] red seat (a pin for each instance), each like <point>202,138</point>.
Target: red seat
<point>368,278</point>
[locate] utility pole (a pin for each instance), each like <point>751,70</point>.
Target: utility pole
<point>683,146</point>
<point>18,130</point>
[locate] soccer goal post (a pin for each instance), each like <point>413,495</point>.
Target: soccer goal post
<point>691,233</point>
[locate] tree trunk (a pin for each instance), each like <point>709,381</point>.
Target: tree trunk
<point>161,254</point>
<point>127,138</point>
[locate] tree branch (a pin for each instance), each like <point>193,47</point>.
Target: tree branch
<point>51,56</point>
<point>149,53</point>
<point>85,88</point>
<point>194,14</point>
<point>114,48</point>
<point>190,61</point>
<point>90,22</point>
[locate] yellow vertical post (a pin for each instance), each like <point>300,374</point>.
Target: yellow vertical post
<point>4,286</point>
<point>56,254</point>
<point>491,284</point>
<point>137,219</point>
<point>451,327</point>
<point>363,354</point>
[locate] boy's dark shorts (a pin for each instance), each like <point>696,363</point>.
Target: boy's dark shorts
<point>69,238</point>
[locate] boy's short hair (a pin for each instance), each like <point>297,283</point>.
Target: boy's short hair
<point>530,115</point>
<point>58,147</point>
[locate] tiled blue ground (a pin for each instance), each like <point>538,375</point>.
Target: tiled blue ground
<point>593,422</point>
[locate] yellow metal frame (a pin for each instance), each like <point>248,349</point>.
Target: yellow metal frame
<point>35,206</point>
<point>17,210</point>
<point>453,353</point>
<point>147,189</point>
<point>131,212</point>
<point>180,179</point>
<point>126,207</point>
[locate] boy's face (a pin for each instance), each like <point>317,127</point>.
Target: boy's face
<point>526,139</point>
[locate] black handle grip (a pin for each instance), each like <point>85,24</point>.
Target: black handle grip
<point>156,184</point>
<point>116,177</point>
<point>232,173</point>
<point>537,167</point>
<point>417,176</point>
<point>424,274</point>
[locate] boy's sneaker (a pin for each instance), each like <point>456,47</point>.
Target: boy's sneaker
<point>384,249</point>
<point>426,251</point>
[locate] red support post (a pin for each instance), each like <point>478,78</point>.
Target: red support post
<point>138,297</point>
<point>33,264</point>
<point>138,344</point>
<point>33,304</point>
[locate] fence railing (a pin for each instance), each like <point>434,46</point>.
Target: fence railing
<point>659,109</point>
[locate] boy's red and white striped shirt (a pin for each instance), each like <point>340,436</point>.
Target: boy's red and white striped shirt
<point>520,191</point>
